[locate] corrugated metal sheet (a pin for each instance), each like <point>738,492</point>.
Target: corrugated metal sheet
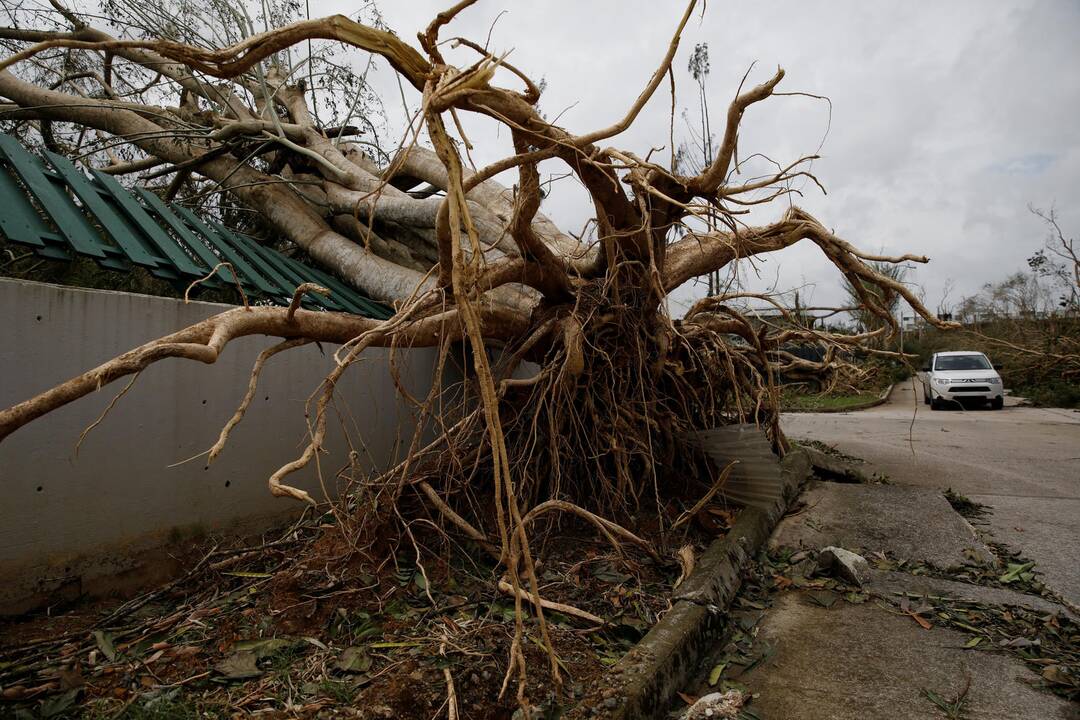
<point>120,229</point>
<point>755,479</point>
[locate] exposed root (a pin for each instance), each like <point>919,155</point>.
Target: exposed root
<point>253,383</point>
<point>109,407</point>
<point>451,692</point>
<point>460,522</point>
<point>717,486</point>
<point>685,556</point>
<point>298,295</point>
<point>549,605</point>
<point>608,528</point>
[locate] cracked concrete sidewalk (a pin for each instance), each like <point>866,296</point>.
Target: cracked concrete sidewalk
<point>871,661</point>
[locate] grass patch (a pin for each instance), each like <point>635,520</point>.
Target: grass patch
<point>791,401</point>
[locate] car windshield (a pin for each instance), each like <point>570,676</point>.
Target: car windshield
<point>962,362</point>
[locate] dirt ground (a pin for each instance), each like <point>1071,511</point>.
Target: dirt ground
<point>257,633</point>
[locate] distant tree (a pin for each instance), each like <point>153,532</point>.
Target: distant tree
<point>1058,260</point>
<point>874,303</point>
<point>693,156</point>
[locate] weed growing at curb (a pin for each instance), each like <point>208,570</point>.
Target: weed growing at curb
<point>965,506</point>
<point>953,709</point>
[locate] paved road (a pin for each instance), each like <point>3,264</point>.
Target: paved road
<point>1023,462</point>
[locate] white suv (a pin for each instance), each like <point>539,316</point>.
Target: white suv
<point>951,377</point>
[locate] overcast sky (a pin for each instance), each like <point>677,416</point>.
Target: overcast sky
<point>947,120</point>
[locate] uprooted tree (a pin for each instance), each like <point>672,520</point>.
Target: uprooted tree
<point>463,254</point>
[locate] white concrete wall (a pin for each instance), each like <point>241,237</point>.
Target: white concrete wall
<point>68,522</point>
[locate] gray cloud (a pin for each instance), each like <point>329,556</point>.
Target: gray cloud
<point>947,120</point>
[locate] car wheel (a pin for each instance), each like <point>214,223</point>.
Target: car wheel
<point>925,396</point>
<point>997,403</point>
<point>935,402</point>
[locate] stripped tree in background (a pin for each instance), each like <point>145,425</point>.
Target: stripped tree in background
<point>462,253</point>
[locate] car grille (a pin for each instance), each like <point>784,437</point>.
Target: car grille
<point>969,388</point>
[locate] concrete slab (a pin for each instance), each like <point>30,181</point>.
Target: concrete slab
<point>859,662</point>
<point>1023,462</point>
<point>890,585</point>
<point>1048,532</point>
<point>912,523</point>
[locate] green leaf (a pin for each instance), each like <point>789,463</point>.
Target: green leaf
<point>1014,571</point>
<point>763,657</point>
<point>973,642</point>
<point>263,647</point>
<point>239,666</point>
<point>714,676</point>
<point>354,660</point>
<point>316,642</point>
<point>105,644</point>
<point>60,703</point>
<point>727,685</point>
<point>249,574</point>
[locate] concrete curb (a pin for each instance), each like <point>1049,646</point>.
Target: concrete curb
<point>645,680</point>
<point>880,400</point>
<point>833,468</point>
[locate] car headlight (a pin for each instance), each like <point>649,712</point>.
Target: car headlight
<point>995,381</point>
<point>941,381</point>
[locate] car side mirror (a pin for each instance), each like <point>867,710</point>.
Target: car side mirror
<point>997,367</point>
<point>926,368</point>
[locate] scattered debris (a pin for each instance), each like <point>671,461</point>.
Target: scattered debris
<point>264,633</point>
<point>844,564</point>
<point>1041,639</point>
<point>716,706</point>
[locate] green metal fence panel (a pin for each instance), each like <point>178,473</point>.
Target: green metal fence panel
<point>171,241</point>
<point>115,225</point>
<point>274,262</point>
<point>185,235</point>
<point>21,223</point>
<point>223,236</point>
<point>71,224</point>
<point>248,275</point>
<point>153,232</point>
<point>352,300</point>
